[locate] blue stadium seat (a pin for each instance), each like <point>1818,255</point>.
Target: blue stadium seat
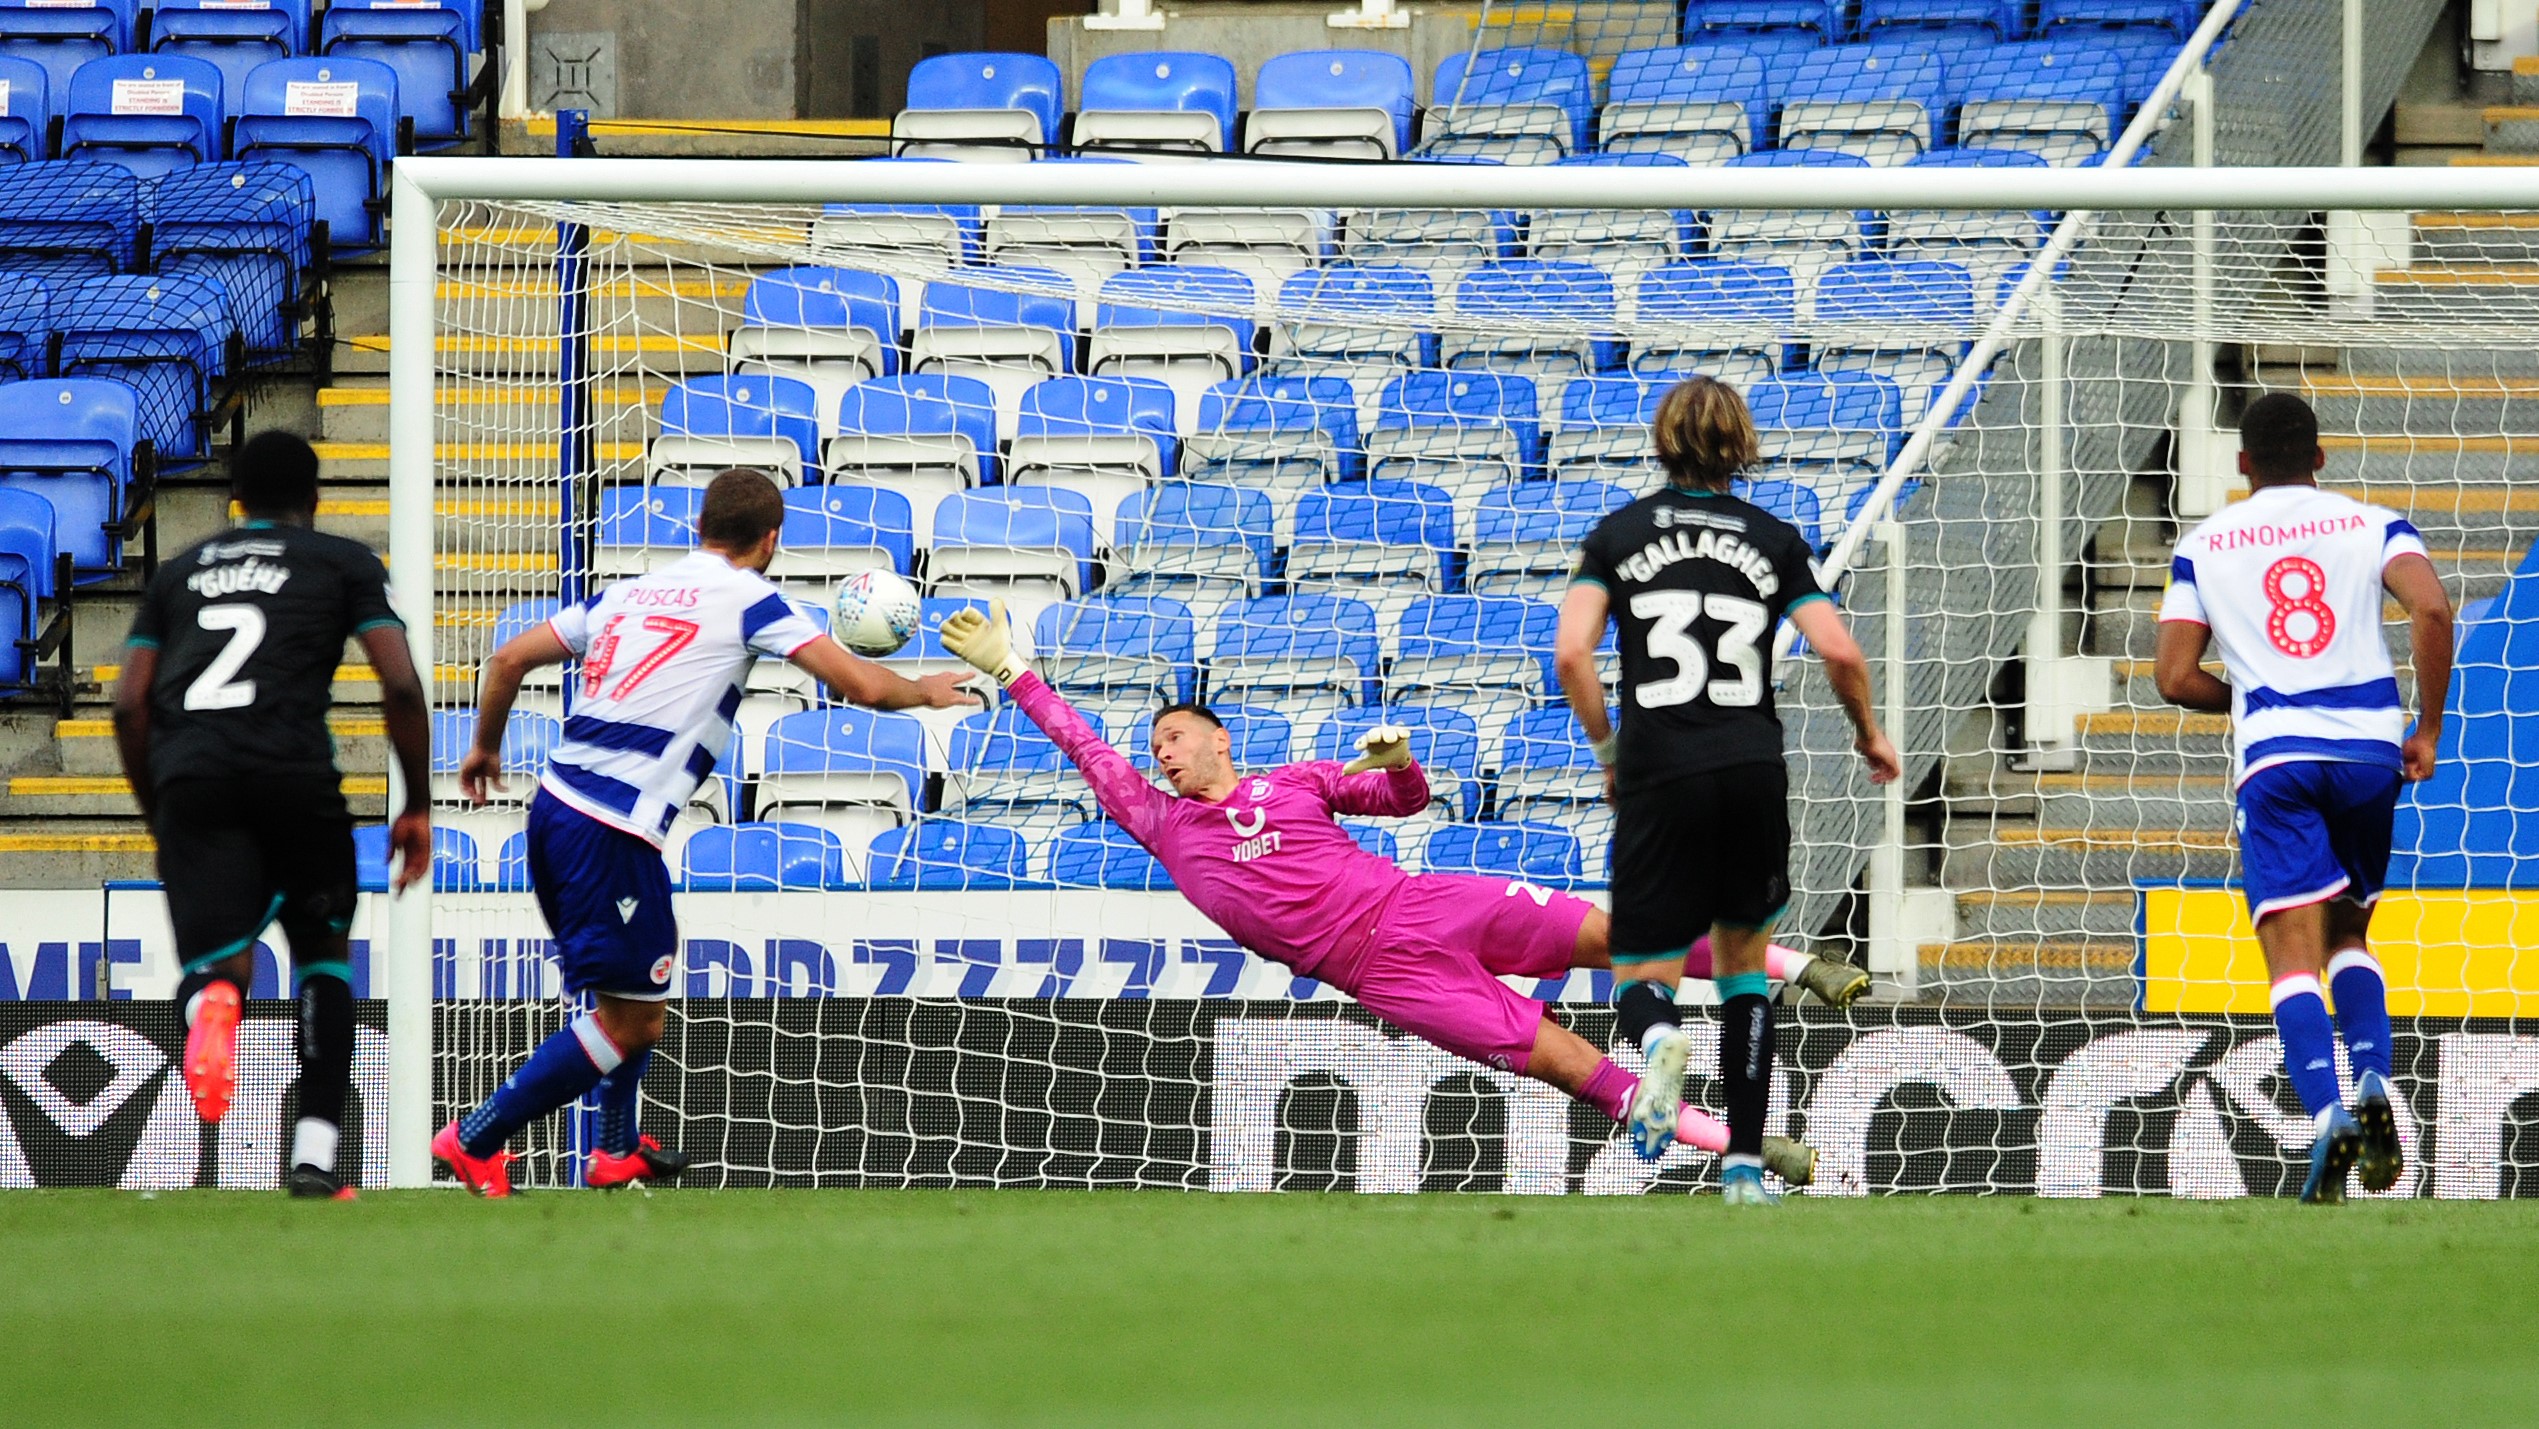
<point>1445,741</point>
<point>1987,242</point>
<point>1186,325</point>
<point>925,435</point>
<point>1373,837</point>
<point>1907,320</point>
<point>762,858</point>
<point>428,47</point>
<point>1821,18</point>
<point>1360,315</point>
<point>247,227</point>
<point>1305,654</point>
<point>1157,99</point>
<point>832,532</point>
<point>231,36</point>
<point>1546,767</point>
<point>26,329</point>
<point>26,112</point>
<point>1832,429</point>
<point>1604,427</point>
<point>153,114</point>
<point>335,118</point>
<point>71,441</point>
<point>1799,505</point>
<point>1548,321</point>
<point>1621,243</point>
<point>1779,51</point>
<point>1798,239</point>
<point>1883,104</point>
<point>68,222</point>
<point>169,337</point>
<point>1545,855</point>
<point>1018,542</point>
<point>1525,536</point>
<point>924,654</point>
<point>2176,16</point>
<point>1704,105</point>
<point>1466,431</point>
<point>852,771</point>
<point>722,419</point>
<point>511,864</point>
<point>1261,737</point>
<point>29,578</point>
<point>521,616</point>
<point>1345,104</point>
<point>1102,855</point>
<point>1200,543</point>
<point>1440,241</point>
<point>1481,654</point>
<point>1518,105</point>
<point>1273,430</point>
<point>1381,541</point>
<point>529,738</point>
<point>1114,650</point>
<point>925,233</point>
<point>1104,438</point>
<point>2148,54</point>
<point>1728,320</point>
<point>1086,242</point>
<point>2062,99</point>
<point>2002,19</point>
<point>454,860</point>
<point>995,107</point>
<point>63,37</point>
<point>643,528</point>
<point>946,854</point>
<point>1008,327</point>
<point>1003,770</point>
<point>830,327</point>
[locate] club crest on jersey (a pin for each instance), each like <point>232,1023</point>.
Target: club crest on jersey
<point>1259,790</point>
<point>661,968</point>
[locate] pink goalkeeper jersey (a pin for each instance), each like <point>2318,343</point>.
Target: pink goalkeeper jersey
<point>1268,865</point>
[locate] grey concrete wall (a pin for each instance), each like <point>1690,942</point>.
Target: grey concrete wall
<point>690,59</point>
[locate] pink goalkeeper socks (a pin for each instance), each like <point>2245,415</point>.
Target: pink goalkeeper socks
<point>1610,1088</point>
<point>1779,963</point>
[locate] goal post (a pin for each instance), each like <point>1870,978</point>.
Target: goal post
<point>1029,1029</point>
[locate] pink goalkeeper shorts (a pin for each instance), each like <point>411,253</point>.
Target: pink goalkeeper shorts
<point>1434,963</point>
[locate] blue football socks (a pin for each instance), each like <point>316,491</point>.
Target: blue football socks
<point>2309,1043</point>
<point>2362,1010</point>
<point>619,1092</point>
<point>564,1066</point>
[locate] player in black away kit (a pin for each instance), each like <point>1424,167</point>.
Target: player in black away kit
<point>1701,836</point>
<point>221,721</point>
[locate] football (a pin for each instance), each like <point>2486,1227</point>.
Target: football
<point>875,614</point>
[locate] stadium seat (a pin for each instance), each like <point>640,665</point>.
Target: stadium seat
<point>1119,654</point>
<point>1276,432</point>
<point>1188,327</point>
<point>248,227</point>
<point>923,435</point>
<point>1987,242</point>
<point>1102,855</point>
<point>68,222</point>
<point>1704,105</point>
<point>1438,241</point>
<point>1821,18</point>
<point>1205,545</point>
<point>2001,19</point>
<point>1546,768</point>
<point>1004,771</point>
<point>1909,321</point>
<point>1087,242</point>
<point>1266,245</point>
<point>909,235</point>
<point>1104,438</point>
<point>1792,502</point>
<point>946,854</point>
<point>1884,105</point>
<point>993,107</point>
<point>1360,322</point>
<point>2061,99</point>
<point>1545,855</point>
<point>1008,335</point>
<point>455,859</point>
<point>1604,428</point>
<point>30,578</point>
<point>72,441</point>
<point>1027,545</point>
<point>529,738</point>
<point>1620,243</point>
<point>643,528</point>
<point>542,689</point>
<point>426,45</point>
<point>1727,320</point>
<point>855,772</point>
<point>1547,321</point>
<point>831,532</point>
<point>724,420</point>
<point>337,119</point>
<point>1481,654</point>
<point>1801,240</point>
<point>1157,100</point>
<point>1525,536</point>
<point>231,36</point>
<point>1831,429</point>
<point>1340,104</point>
<point>1517,106</point>
<point>762,858</point>
<point>1381,541</point>
<point>26,329</point>
<point>1305,655</point>
<point>2176,16</point>
<point>153,114</point>
<point>168,337</point>
<point>830,327</point>
<point>1779,51</point>
<point>1446,742</point>
<point>1463,431</point>
<point>1261,738</point>
<point>924,653</point>
<point>26,112</point>
<point>63,37</point>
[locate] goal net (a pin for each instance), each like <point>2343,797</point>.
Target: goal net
<point>1315,444</point>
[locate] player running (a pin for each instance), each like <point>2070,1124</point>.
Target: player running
<point>663,656</point>
<point>1701,834</point>
<point>220,717</point>
<point>2289,583</point>
<point>1261,856</point>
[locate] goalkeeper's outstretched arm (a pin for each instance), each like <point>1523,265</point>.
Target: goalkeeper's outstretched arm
<point>985,642</point>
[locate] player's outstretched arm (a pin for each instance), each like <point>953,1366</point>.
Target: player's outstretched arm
<point>987,643</point>
<point>504,670</point>
<point>132,721</point>
<point>408,713</point>
<point>2177,667</point>
<point>1847,670</point>
<point>2412,579</point>
<point>1383,781</point>
<point>860,681</point>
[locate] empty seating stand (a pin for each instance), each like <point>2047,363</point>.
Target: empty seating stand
<point>252,229</point>
<point>337,119</point>
<point>1705,105</point>
<point>1001,108</point>
<point>61,38</point>
<point>1517,106</point>
<point>1157,101</point>
<point>1349,104</point>
<point>233,36</point>
<point>429,48</point>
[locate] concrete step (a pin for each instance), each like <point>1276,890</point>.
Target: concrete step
<point>2525,81</point>
<point>356,684</point>
<point>61,853</point>
<point>92,796</point>
<point>2466,240</point>
<point>2169,741</point>
<point>2030,973</point>
<point>2144,800</point>
<point>2126,623</point>
<point>2462,406</point>
<point>1994,915</point>
<point>2481,292</point>
<point>533,359</point>
<point>2479,480</point>
<point>2511,128</point>
<point>2137,684</point>
<point>358,413</point>
<point>2427,360</point>
<point>466,466</point>
<point>87,746</point>
<point>2109,859</point>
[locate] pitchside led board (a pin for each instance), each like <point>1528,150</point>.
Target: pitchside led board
<point>2448,952</point>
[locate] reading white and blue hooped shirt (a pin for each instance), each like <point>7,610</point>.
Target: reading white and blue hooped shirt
<point>2289,582</point>
<point>663,657</point>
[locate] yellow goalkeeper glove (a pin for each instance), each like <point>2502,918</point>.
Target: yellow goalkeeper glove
<point>985,642</point>
<point>1387,746</point>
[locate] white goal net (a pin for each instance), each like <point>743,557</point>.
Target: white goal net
<point>1320,456</point>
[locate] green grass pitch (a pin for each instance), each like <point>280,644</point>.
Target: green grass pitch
<point>1165,1308</point>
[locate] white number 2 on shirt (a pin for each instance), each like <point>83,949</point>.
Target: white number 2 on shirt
<point>1672,640</point>
<point>214,689</point>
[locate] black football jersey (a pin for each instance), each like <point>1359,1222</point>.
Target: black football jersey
<point>249,627</point>
<point>1699,583</point>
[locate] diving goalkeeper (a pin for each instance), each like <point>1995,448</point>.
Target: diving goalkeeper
<point>1261,856</point>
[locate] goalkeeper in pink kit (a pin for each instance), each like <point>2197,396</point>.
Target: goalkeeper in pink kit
<point>1261,856</point>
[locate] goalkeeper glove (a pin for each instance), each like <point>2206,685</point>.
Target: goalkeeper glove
<point>985,642</point>
<point>1387,746</point>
